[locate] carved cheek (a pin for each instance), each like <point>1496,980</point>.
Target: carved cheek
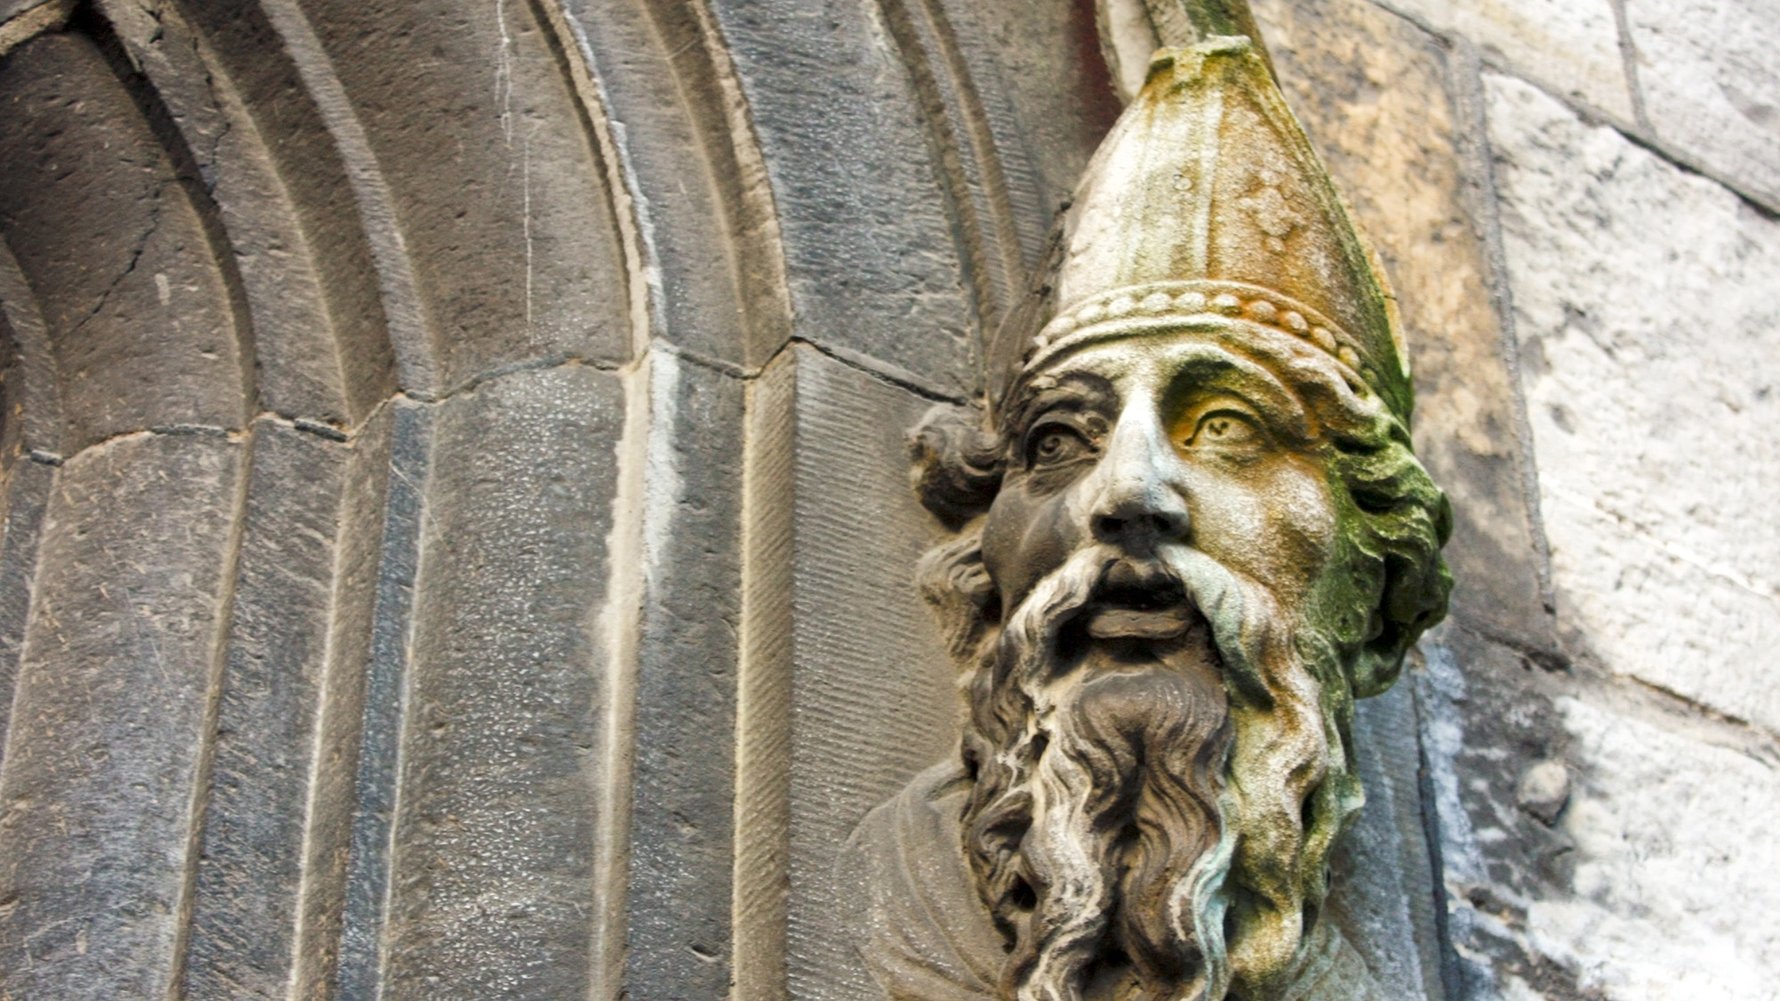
<point>1299,530</point>
<point>1002,530</point>
<point>1274,523</point>
<point>1024,538</point>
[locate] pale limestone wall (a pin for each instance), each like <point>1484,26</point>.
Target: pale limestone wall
<point>1601,715</point>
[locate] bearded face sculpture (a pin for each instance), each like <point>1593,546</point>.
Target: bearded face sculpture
<point>1191,533</point>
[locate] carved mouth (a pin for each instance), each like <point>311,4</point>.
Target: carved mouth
<point>1139,601</point>
<point>1132,624</point>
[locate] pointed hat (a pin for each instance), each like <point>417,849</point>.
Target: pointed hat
<point>1205,207</point>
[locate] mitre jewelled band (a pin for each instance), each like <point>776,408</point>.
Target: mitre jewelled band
<point>1144,309</point>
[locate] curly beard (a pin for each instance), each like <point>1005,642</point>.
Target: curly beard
<point>1154,819</point>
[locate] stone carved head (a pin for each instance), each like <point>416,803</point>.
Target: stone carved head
<point>1191,532</point>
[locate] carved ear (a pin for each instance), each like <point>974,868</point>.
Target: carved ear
<point>1414,601</point>
<point>956,465</point>
<point>1401,522</point>
<point>1417,586</point>
<point>957,585</point>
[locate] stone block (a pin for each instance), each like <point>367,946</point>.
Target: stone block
<point>871,254</point>
<point>501,200</point>
<point>848,693</point>
<point>510,696</point>
<point>873,700</point>
<point>25,490</point>
<point>32,395</point>
<point>345,906</point>
<point>1373,91</point>
<point>1058,85</point>
<point>692,164</point>
<point>256,816</point>
<point>1673,865</point>
<point>1711,85</point>
<point>319,346</point>
<point>270,883</point>
<point>1571,47</point>
<point>682,809</point>
<point>1644,308</point>
<point>115,251</point>
<point>111,717</point>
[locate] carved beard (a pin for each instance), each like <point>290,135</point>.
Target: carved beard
<point>1118,829</point>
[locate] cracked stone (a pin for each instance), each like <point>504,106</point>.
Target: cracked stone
<point>1712,85</point>
<point>82,166</point>
<point>1573,47</point>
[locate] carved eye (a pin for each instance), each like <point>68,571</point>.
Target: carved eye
<point>1056,445</point>
<point>1226,430</point>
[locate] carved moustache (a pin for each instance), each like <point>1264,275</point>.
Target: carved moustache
<point>1109,596</point>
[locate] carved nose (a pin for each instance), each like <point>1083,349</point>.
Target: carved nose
<point>1139,521</point>
<point>1138,505</point>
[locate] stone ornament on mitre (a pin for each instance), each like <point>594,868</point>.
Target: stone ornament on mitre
<point>1205,209</point>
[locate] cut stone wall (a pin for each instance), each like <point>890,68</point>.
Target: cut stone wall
<point>1601,767</point>
<point>457,539</point>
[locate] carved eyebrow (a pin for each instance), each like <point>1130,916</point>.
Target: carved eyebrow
<point>1224,374</point>
<point>1075,390</point>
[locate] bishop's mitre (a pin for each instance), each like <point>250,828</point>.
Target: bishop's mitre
<point>1204,207</point>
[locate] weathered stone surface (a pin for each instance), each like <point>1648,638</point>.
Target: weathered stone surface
<point>363,168</point>
<point>377,525</point>
<point>983,163</point>
<point>871,698</point>
<point>1673,865</point>
<point>1484,714</point>
<point>1373,91</point>
<point>1573,47</point>
<point>693,168</point>
<point>1711,85</point>
<point>104,760</point>
<point>270,883</point>
<point>1057,81</point>
<point>28,381</point>
<point>1656,862</point>
<point>682,810</point>
<point>870,254</point>
<point>251,858</point>
<point>304,281</point>
<point>362,727</point>
<point>763,684</point>
<point>10,9</point>
<point>1385,895</point>
<point>30,422</point>
<point>501,200</point>
<point>1544,790</point>
<point>509,697</point>
<point>1645,312</point>
<point>112,244</point>
<point>25,488</point>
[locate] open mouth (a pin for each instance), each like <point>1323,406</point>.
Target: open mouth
<point>1138,602</point>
